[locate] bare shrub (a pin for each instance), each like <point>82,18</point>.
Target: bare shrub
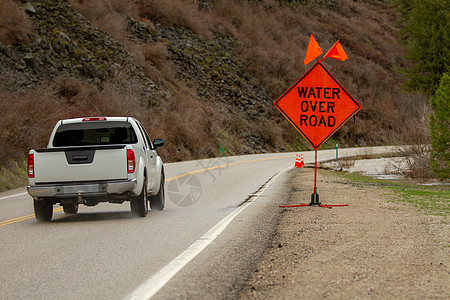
<point>157,65</point>
<point>187,126</point>
<point>418,160</point>
<point>270,46</point>
<point>346,163</point>
<point>115,25</point>
<point>15,25</point>
<point>104,17</point>
<point>419,151</point>
<point>176,12</point>
<point>125,7</point>
<point>271,135</point>
<point>108,15</point>
<point>70,89</point>
<point>95,10</point>
<point>80,98</point>
<point>366,153</point>
<point>154,75</point>
<point>31,116</point>
<point>157,53</point>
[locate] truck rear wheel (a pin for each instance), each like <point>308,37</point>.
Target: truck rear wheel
<point>139,204</point>
<point>158,201</point>
<point>43,209</point>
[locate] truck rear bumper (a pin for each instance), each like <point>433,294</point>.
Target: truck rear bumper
<point>86,189</point>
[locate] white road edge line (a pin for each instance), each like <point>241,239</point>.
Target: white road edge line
<point>150,287</point>
<point>12,196</point>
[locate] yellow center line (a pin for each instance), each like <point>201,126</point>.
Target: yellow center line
<point>7,222</point>
<point>223,166</point>
<point>23,218</point>
<point>27,217</point>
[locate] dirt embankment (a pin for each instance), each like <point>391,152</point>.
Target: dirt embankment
<point>375,248</point>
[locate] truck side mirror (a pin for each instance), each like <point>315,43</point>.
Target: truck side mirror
<point>158,143</point>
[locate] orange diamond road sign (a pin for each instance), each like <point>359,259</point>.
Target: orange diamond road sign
<point>317,105</point>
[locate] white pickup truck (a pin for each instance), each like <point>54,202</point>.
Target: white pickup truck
<point>93,160</point>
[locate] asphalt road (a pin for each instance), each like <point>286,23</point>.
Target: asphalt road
<point>218,218</point>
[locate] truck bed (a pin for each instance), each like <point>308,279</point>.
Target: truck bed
<point>80,164</point>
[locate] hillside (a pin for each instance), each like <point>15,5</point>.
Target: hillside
<point>197,75</point>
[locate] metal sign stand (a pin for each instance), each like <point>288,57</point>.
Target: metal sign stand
<point>315,197</point>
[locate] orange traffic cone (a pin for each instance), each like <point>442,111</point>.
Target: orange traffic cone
<point>299,161</point>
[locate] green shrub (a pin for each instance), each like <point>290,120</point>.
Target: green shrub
<point>440,126</point>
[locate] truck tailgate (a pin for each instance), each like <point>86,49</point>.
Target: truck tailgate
<point>80,164</point>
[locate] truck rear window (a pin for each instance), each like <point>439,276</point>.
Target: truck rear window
<point>94,133</point>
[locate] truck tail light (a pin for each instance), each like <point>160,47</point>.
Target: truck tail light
<point>131,161</point>
<point>30,166</point>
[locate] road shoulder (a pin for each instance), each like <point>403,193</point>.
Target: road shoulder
<point>221,269</point>
<point>374,248</point>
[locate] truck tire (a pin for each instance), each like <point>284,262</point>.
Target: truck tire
<point>139,204</point>
<point>158,201</point>
<point>70,208</point>
<point>43,209</point>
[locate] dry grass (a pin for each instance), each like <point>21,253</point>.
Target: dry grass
<point>270,52</point>
<point>33,113</point>
<point>108,15</point>
<point>157,65</point>
<point>96,10</point>
<point>12,175</point>
<point>176,12</point>
<point>188,126</point>
<point>31,116</point>
<point>15,25</point>
<point>273,43</point>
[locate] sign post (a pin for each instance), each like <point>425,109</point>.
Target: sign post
<point>337,152</point>
<point>317,105</point>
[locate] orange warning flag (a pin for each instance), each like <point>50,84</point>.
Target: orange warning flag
<point>313,50</point>
<point>336,52</point>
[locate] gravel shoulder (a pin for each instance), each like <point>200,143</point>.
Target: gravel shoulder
<point>374,248</point>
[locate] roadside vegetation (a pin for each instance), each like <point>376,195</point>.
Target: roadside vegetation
<point>12,176</point>
<point>268,42</point>
<point>440,128</point>
<point>431,199</point>
<point>425,33</point>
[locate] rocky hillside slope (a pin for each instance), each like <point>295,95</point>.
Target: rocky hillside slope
<point>197,75</point>
<point>64,44</point>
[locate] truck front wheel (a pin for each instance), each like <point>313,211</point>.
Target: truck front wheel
<point>139,204</point>
<point>43,209</point>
